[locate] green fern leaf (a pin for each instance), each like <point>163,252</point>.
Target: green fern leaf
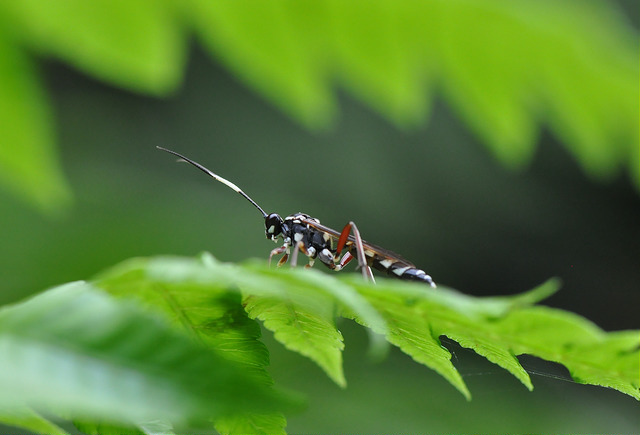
<point>502,328</point>
<point>305,326</point>
<point>299,306</point>
<point>213,315</point>
<point>299,309</point>
<point>113,367</point>
<point>75,351</point>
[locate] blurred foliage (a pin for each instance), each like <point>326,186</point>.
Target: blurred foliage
<point>80,354</point>
<point>114,364</point>
<point>504,66</point>
<point>29,165</point>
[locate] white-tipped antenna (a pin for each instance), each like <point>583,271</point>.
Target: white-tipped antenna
<point>216,177</point>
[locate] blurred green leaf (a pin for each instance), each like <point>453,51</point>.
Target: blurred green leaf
<point>135,44</point>
<point>259,424</point>
<point>28,162</point>
<point>273,46</point>
<point>297,305</point>
<point>95,428</point>
<point>26,418</point>
<point>73,350</point>
<point>157,427</point>
<point>506,67</point>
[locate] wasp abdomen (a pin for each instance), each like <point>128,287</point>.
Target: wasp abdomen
<point>403,271</point>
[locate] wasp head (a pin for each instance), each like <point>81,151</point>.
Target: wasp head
<point>274,226</point>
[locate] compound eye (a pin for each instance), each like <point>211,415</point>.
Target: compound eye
<point>273,226</point>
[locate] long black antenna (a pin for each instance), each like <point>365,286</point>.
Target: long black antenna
<point>216,177</point>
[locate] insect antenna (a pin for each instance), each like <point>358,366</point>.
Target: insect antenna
<point>216,177</point>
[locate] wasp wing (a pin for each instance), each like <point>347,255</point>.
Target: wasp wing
<point>371,250</point>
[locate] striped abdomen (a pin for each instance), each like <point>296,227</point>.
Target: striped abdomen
<point>401,269</point>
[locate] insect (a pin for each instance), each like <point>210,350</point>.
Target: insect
<point>335,249</point>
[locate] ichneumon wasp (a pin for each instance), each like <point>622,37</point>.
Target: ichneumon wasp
<point>305,234</point>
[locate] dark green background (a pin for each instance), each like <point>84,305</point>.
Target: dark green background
<point>434,195</point>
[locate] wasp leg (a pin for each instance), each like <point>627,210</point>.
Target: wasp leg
<point>294,254</point>
<point>283,260</point>
<point>309,252</point>
<point>346,258</point>
<point>362,258</point>
<point>278,251</point>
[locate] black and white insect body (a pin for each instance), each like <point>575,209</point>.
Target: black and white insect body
<point>335,249</point>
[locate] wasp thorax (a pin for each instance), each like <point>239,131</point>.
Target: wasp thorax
<point>273,226</point>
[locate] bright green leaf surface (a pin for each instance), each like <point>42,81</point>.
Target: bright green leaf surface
<point>306,327</point>
<point>547,333</point>
<point>299,308</point>
<point>76,351</point>
<point>212,314</point>
<point>412,335</point>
